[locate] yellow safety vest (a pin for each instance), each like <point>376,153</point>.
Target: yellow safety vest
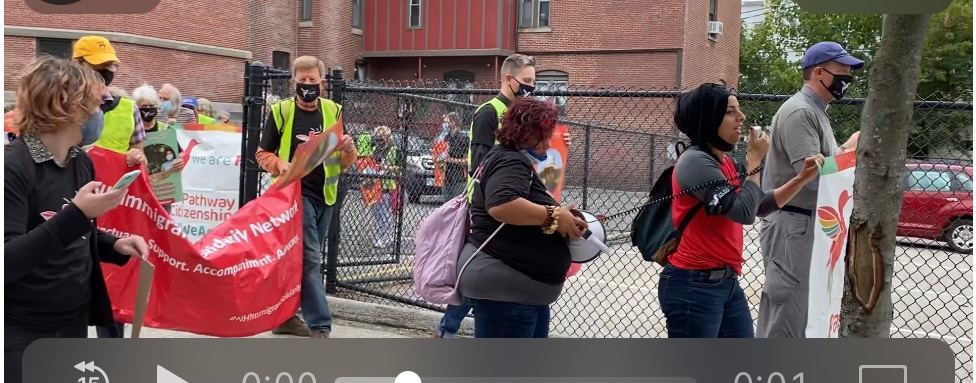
<point>330,112</point>
<point>500,108</point>
<point>120,123</point>
<point>204,119</point>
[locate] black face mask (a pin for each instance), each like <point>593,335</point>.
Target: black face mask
<point>107,75</point>
<point>148,113</point>
<point>307,92</point>
<point>523,90</point>
<point>838,87</point>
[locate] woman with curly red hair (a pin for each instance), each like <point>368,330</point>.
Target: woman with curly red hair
<point>521,267</point>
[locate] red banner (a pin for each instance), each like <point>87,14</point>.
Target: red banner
<point>241,279</point>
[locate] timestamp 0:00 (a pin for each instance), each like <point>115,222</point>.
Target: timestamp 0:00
<point>284,377</point>
<point>776,377</point>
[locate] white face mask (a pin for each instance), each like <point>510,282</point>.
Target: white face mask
<point>169,156</point>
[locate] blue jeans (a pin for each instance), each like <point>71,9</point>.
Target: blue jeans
<point>117,330</point>
<point>704,304</point>
<point>451,190</point>
<point>493,319</point>
<point>315,227</point>
<point>382,214</point>
<point>453,316</point>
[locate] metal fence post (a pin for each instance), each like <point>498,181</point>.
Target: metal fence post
<point>251,132</point>
<point>336,86</point>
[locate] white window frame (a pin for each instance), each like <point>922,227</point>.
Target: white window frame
<point>553,80</point>
<point>536,19</point>
<point>411,23</point>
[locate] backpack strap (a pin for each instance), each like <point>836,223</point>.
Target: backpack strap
<point>691,214</point>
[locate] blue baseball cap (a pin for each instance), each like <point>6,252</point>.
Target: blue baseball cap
<point>190,102</point>
<point>825,51</point>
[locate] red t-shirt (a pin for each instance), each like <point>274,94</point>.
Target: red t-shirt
<point>709,241</point>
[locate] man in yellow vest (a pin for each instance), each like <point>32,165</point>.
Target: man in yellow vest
<point>122,132</point>
<point>290,123</point>
<point>518,80</point>
<point>193,104</point>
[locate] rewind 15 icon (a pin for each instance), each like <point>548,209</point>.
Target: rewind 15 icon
<point>89,368</point>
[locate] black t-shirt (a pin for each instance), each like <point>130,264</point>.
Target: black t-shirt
<point>457,147</point>
<point>509,175</point>
<point>305,124</point>
<point>484,127</point>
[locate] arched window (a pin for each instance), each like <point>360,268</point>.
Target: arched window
<point>553,80</point>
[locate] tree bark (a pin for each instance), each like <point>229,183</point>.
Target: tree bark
<point>866,310</point>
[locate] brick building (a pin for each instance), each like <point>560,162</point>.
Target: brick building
<point>202,46</point>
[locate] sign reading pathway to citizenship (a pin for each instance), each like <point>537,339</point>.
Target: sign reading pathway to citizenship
<point>310,154</point>
<point>833,215</point>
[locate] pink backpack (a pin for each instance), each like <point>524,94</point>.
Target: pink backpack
<point>438,244</point>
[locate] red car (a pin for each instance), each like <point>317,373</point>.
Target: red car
<point>938,204</point>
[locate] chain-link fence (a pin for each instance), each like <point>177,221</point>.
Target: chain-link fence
<point>620,141</point>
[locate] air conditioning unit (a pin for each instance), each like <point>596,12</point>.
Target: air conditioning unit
<point>715,27</point>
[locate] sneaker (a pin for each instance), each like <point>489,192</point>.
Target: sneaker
<point>319,334</point>
<point>293,326</point>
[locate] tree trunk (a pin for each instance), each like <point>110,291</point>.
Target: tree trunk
<point>866,311</point>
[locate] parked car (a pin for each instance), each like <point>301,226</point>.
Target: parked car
<point>418,176</point>
<point>938,204</point>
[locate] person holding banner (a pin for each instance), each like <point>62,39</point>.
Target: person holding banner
<point>292,122</point>
<point>52,247</point>
<point>800,129</point>
<point>699,288</point>
<point>122,132</point>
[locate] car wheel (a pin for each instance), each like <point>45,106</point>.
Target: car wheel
<point>960,235</point>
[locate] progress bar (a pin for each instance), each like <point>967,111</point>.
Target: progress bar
<point>516,380</point>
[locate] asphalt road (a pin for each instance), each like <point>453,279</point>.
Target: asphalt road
<point>615,296</point>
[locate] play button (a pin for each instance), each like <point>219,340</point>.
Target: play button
<point>165,376</point>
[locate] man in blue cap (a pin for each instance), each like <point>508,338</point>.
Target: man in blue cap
<point>800,129</point>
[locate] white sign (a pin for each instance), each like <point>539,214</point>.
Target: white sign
<point>211,180</point>
<point>834,206</point>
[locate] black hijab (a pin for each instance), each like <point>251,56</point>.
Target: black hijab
<point>699,114</point>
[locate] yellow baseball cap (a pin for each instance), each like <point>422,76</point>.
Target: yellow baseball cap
<point>95,50</point>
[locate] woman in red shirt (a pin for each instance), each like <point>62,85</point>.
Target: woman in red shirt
<point>699,289</point>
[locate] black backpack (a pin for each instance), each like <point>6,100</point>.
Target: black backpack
<point>653,232</point>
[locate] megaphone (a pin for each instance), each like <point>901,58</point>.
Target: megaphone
<point>592,243</point>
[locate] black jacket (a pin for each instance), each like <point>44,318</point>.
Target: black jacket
<point>69,220</point>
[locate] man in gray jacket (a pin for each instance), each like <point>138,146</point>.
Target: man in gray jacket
<point>800,129</point>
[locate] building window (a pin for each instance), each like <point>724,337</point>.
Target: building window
<point>415,13</point>
<point>306,10</point>
<point>553,80</point>
<point>60,48</point>
<point>357,14</point>
<point>280,60</point>
<point>534,13</point>
<point>712,10</point>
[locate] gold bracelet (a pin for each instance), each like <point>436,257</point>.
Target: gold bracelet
<point>552,222</point>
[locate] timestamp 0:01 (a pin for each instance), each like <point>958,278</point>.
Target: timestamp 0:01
<point>776,377</point>
<point>284,377</point>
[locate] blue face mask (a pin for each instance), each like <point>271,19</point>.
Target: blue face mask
<point>167,108</point>
<point>91,130</point>
<point>534,157</point>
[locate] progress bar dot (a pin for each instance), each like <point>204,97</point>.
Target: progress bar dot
<point>407,377</point>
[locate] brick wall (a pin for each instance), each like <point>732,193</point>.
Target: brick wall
<point>708,60</point>
<point>190,21</point>
<point>337,45</point>
<point>609,24</point>
<point>195,74</point>
<point>266,36</point>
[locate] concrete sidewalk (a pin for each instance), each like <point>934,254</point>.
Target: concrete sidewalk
<point>341,328</point>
